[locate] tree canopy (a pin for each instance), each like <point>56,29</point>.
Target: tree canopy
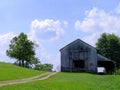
<point>22,49</point>
<point>109,46</point>
<point>44,67</point>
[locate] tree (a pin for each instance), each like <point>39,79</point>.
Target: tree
<point>47,67</point>
<point>44,67</point>
<point>21,49</point>
<point>109,46</point>
<point>34,61</point>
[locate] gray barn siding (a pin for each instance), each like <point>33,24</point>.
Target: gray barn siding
<point>79,51</point>
<point>92,61</point>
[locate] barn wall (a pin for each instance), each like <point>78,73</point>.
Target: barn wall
<point>64,60</point>
<point>92,61</point>
<point>89,57</point>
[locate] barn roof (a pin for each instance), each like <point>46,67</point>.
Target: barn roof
<point>102,58</point>
<point>77,40</point>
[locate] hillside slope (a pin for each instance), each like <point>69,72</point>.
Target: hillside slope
<point>11,72</point>
<point>71,81</point>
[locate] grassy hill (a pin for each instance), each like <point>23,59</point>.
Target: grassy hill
<point>11,72</point>
<point>71,81</point>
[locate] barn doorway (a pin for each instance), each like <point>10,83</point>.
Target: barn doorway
<point>109,65</point>
<point>79,64</point>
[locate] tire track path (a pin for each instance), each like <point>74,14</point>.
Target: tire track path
<point>25,80</point>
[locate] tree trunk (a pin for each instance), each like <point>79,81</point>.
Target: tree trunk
<point>19,62</point>
<point>23,63</point>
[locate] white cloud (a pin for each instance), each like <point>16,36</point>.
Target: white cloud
<point>4,42</point>
<point>96,22</point>
<point>91,39</point>
<point>117,10</point>
<point>47,29</point>
<point>65,23</point>
<point>5,38</point>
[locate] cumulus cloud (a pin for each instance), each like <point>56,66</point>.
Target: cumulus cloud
<point>5,38</point>
<point>47,29</point>
<point>117,10</point>
<point>98,21</point>
<point>4,42</point>
<point>65,23</point>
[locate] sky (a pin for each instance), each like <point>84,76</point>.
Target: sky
<point>52,24</point>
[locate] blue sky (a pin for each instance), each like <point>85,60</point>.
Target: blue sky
<point>52,24</point>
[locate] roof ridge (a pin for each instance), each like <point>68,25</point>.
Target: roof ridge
<point>75,41</point>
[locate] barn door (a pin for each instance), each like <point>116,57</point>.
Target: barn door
<point>79,63</point>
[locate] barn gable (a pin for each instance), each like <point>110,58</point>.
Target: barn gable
<point>77,41</point>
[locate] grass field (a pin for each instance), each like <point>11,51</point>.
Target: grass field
<point>71,81</point>
<point>11,72</point>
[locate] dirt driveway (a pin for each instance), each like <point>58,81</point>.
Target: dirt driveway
<point>25,80</point>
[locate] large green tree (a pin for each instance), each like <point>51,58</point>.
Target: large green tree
<point>109,46</point>
<point>22,49</point>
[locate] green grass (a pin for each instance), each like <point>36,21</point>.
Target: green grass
<point>71,81</point>
<point>11,72</point>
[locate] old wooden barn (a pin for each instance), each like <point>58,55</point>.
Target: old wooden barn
<point>79,56</point>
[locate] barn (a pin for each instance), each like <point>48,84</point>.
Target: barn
<point>78,56</point>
